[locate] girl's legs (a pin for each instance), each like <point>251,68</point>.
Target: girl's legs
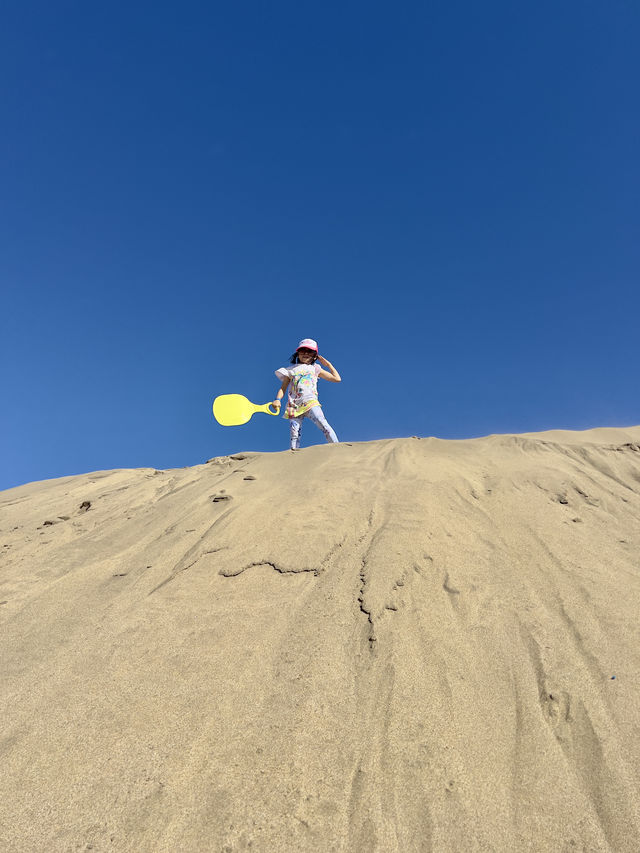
<point>317,416</point>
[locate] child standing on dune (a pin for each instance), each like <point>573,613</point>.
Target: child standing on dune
<point>302,381</point>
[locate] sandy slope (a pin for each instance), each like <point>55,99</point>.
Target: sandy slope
<point>402,645</point>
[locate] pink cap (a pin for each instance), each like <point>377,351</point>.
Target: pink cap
<point>309,344</point>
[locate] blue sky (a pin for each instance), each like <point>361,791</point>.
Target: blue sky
<point>444,195</point>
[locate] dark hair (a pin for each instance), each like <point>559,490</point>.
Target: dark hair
<point>295,360</point>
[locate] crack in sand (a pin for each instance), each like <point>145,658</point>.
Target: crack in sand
<point>363,582</point>
<point>371,636</point>
<point>230,573</point>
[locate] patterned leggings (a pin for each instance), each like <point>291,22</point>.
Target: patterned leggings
<point>317,416</point>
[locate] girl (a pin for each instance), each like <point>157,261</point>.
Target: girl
<point>302,381</point>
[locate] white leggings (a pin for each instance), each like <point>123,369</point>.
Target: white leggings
<point>317,416</point>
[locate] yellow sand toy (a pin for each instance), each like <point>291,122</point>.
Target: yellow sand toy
<point>234,409</point>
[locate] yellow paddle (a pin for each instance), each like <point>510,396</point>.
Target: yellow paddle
<point>234,409</point>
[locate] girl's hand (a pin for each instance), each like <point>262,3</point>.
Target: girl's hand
<point>322,359</point>
<point>276,403</point>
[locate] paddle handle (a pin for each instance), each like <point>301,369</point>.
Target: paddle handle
<point>266,408</point>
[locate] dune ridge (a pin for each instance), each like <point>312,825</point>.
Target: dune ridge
<point>397,645</point>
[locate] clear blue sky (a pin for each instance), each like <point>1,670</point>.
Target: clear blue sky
<point>444,195</point>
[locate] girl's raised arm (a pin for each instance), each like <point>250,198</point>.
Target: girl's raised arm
<point>331,373</point>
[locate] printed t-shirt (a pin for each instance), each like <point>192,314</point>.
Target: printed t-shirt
<point>303,388</point>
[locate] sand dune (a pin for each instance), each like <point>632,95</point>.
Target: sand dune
<point>401,645</point>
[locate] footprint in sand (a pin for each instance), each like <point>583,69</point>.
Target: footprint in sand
<point>221,496</point>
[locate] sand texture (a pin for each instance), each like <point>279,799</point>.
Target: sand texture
<point>399,645</point>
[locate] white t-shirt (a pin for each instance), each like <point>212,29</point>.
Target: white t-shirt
<point>303,387</point>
